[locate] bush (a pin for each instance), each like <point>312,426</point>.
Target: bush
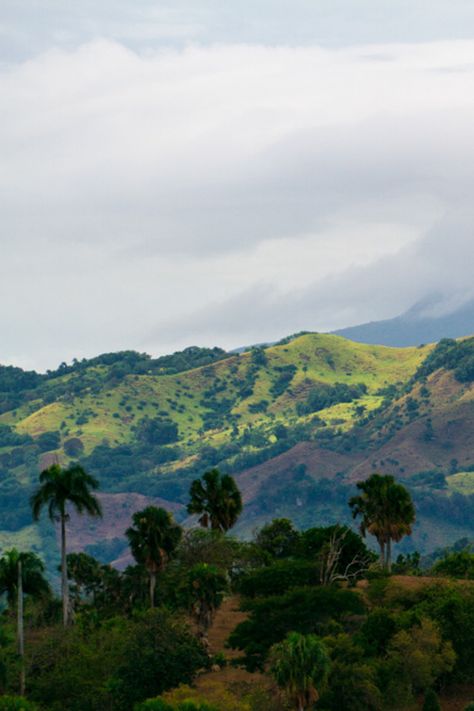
<point>279,578</point>
<point>157,431</point>
<point>16,703</point>
<point>160,705</point>
<point>431,702</point>
<point>317,610</point>
<point>73,447</point>
<point>159,655</point>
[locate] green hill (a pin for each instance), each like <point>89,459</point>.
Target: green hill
<point>296,423</point>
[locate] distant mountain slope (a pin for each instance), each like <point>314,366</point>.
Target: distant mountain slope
<point>414,327</point>
<point>297,423</point>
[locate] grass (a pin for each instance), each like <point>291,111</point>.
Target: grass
<point>111,414</point>
<point>462,482</point>
<point>26,539</point>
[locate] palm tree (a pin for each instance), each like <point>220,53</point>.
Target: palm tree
<point>300,665</point>
<point>206,587</point>
<point>387,512</point>
<point>21,574</point>
<point>218,500</point>
<point>153,538</point>
<point>60,488</point>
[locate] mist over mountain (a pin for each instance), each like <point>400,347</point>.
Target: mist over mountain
<point>425,322</point>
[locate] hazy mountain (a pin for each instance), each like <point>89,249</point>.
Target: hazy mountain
<point>425,322</point>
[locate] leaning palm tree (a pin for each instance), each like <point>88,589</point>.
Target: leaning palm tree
<point>300,666</point>
<point>153,538</point>
<point>217,498</point>
<point>60,489</point>
<point>21,574</point>
<point>386,510</point>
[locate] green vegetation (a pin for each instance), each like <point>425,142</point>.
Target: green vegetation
<point>386,510</point>
<point>300,665</point>
<point>60,488</point>
<point>317,614</point>
<point>153,538</point>
<point>152,426</point>
<point>217,499</point>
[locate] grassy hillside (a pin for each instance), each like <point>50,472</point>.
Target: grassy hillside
<point>282,419</point>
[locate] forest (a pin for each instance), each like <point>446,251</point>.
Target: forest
<point>321,618</point>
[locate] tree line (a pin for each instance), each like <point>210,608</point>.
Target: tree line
<point>289,581</point>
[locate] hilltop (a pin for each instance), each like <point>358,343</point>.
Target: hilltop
<point>296,423</point>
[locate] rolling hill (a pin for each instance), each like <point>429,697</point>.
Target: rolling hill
<point>296,423</point>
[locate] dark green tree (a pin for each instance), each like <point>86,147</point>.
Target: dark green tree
<point>153,538</point>
<point>60,489</point>
<point>300,665</point>
<point>217,499</point>
<point>278,538</point>
<point>206,587</point>
<point>386,510</point>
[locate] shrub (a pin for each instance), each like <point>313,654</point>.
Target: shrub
<point>431,702</point>
<point>73,447</point>
<point>307,610</point>
<point>278,578</point>
<point>16,703</point>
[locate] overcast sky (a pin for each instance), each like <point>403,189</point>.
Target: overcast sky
<point>221,173</point>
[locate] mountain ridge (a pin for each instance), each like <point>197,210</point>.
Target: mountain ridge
<point>296,423</point>
<point>415,326</point>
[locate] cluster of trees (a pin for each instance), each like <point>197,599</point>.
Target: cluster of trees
<point>451,355</point>
<point>324,395</point>
<point>120,640</point>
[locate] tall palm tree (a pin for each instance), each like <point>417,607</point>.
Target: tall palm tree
<point>217,498</point>
<point>21,574</point>
<point>61,488</point>
<point>300,665</point>
<point>387,512</point>
<point>153,538</point>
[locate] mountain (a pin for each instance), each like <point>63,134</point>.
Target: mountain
<point>297,424</point>
<point>420,324</point>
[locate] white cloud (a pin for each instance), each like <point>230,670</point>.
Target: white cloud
<point>140,192</point>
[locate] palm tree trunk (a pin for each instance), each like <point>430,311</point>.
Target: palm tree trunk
<point>389,555</point>
<point>152,588</point>
<point>64,583</point>
<point>20,629</point>
<point>382,553</point>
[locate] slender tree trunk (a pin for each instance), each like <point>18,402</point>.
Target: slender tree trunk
<point>20,629</point>
<point>64,583</point>
<point>382,553</point>
<point>152,588</point>
<point>389,555</point>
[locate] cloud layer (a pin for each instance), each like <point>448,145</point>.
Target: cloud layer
<point>227,194</point>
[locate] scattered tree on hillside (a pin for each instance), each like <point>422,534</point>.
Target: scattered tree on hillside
<point>217,499</point>
<point>386,510</point>
<point>153,538</point>
<point>300,665</point>
<point>278,538</point>
<point>60,488</point>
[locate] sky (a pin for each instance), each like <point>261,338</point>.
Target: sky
<point>204,172</point>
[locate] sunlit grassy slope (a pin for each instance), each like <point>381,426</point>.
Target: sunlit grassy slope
<point>111,414</point>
